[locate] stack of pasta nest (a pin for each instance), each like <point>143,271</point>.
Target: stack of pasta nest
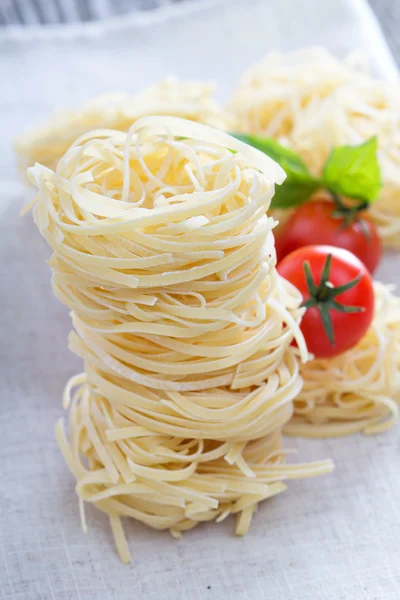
<point>163,250</point>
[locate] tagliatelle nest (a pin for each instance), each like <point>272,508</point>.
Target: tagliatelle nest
<point>187,99</point>
<point>163,250</point>
<point>310,101</point>
<point>358,390</point>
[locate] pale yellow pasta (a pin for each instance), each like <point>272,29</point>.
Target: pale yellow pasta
<point>48,142</point>
<point>311,102</point>
<point>163,250</point>
<point>358,390</point>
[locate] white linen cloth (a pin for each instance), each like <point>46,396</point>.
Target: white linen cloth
<point>330,538</point>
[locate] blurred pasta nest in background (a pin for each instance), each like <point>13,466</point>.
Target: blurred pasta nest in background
<point>192,100</point>
<point>311,101</point>
<point>163,250</point>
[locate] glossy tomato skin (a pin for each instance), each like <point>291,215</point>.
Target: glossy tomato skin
<point>348,328</point>
<point>314,223</point>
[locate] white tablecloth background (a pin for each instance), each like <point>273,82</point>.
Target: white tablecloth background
<point>332,538</point>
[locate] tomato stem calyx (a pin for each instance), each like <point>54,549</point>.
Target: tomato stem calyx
<point>349,214</point>
<point>323,296</point>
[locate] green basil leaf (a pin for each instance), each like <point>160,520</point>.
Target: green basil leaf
<point>353,171</point>
<point>295,190</point>
<point>287,159</point>
<point>299,184</point>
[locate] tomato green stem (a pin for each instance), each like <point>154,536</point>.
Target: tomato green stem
<point>323,296</point>
<point>349,214</point>
<point>343,209</point>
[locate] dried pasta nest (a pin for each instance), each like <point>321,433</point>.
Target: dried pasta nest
<point>358,390</point>
<point>192,100</point>
<point>163,250</point>
<point>311,101</point>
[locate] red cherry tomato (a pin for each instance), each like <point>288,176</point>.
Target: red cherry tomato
<point>315,223</point>
<point>347,328</point>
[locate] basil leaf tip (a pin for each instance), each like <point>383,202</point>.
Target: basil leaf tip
<point>353,171</point>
